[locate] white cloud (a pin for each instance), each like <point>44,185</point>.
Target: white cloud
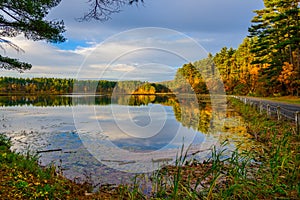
<point>124,67</point>
<point>195,17</point>
<point>151,54</point>
<point>212,23</point>
<point>116,68</point>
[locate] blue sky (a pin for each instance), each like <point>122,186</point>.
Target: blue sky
<point>72,44</point>
<point>212,24</point>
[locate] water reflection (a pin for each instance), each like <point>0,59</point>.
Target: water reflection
<point>186,111</point>
<point>47,122</point>
<point>197,116</point>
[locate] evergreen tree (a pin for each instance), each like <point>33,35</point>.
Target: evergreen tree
<point>276,32</point>
<point>27,17</point>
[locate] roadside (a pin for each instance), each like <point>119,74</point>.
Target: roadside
<point>278,108</point>
<point>286,100</point>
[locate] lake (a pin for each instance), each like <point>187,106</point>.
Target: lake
<point>108,139</point>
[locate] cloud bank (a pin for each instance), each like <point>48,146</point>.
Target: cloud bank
<point>98,50</point>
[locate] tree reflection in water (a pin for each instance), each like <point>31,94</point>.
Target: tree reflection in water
<point>197,116</point>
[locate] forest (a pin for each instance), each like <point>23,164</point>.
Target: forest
<point>57,86</point>
<point>266,63</point>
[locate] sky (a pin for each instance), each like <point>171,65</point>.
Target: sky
<point>145,42</point>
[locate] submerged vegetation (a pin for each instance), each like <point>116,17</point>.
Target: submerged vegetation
<point>265,171</point>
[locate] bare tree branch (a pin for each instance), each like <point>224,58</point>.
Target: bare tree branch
<point>102,9</point>
<point>28,17</point>
<point>11,44</point>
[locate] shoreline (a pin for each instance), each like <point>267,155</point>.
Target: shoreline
<point>235,177</point>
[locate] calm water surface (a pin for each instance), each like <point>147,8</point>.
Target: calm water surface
<point>125,133</point>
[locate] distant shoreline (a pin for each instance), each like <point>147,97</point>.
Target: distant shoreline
<point>81,94</point>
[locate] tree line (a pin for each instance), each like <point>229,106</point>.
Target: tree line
<point>11,85</point>
<point>266,63</point>
<point>58,86</point>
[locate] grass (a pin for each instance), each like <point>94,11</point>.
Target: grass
<point>268,171</point>
<point>22,178</point>
<point>278,174</point>
<point>286,99</point>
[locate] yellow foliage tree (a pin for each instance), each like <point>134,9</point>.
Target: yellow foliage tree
<point>288,77</point>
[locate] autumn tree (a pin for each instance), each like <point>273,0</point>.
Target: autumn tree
<point>288,77</point>
<point>276,31</point>
<point>189,77</point>
<point>224,61</point>
<point>265,63</point>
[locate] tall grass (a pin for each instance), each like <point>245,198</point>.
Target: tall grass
<point>22,178</point>
<point>268,171</point>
